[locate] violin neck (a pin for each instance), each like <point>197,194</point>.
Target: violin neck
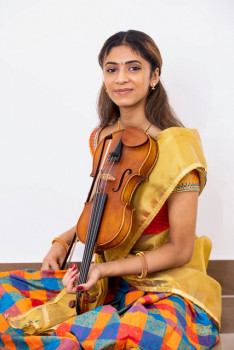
<point>99,203</point>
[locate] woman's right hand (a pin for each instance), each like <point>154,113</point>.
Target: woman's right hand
<point>57,253</point>
<point>54,258</point>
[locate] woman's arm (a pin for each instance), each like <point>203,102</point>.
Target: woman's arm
<point>56,255</point>
<point>182,211</point>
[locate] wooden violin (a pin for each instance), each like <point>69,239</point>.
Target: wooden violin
<point>121,162</point>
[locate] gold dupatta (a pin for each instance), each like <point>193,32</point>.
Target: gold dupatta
<point>180,151</point>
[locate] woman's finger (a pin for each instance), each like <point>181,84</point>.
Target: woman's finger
<point>71,285</point>
<point>45,265</point>
<point>71,272</point>
<point>88,285</point>
<point>54,265</point>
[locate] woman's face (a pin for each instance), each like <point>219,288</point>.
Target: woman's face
<point>127,77</point>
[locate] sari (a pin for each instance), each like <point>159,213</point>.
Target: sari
<point>179,308</point>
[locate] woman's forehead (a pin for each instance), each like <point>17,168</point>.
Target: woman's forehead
<point>122,54</point>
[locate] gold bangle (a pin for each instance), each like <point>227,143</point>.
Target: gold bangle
<point>59,240</point>
<point>144,265</point>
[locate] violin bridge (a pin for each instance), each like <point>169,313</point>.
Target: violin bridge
<point>107,177</point>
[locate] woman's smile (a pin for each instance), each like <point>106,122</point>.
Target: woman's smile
<point>123,91</point>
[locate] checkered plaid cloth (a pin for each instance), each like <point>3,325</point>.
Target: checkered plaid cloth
<point>144,321</point>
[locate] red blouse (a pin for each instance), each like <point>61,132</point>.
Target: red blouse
<point>159,223</point>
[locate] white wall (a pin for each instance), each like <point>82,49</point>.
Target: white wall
<point>49,80</point>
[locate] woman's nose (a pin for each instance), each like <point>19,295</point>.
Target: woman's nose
<point>122,76</point>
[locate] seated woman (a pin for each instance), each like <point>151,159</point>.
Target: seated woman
<point>152,291</point>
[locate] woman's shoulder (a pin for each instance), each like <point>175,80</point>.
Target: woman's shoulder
<point>178,132</point>
<point>98,134</point>
<point>94,138</point>
<point>179,138</point>
<point>106,131</point>
<point>180,141</point>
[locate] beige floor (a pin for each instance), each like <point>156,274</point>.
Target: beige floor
<point>226,342</point>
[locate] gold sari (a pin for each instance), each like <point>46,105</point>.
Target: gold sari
<point>180,152</point>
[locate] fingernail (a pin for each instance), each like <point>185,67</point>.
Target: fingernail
<point>80,288</point>
<point>71,267</point>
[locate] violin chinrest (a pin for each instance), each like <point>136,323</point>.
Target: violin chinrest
<point>133,137</point>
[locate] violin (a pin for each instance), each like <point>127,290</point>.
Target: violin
<point>121,162</point>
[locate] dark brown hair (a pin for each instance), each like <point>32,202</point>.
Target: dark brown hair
<point>157,108</point>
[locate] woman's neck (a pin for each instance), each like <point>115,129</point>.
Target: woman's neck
<point>135,118</point>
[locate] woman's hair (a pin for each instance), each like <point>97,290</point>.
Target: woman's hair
<point>157,108</point>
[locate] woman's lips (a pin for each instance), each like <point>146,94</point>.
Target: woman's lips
<point>123,91</point>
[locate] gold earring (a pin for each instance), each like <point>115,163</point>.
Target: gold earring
<point>153,87</point>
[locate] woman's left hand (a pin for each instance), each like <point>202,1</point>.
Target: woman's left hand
<point>70,279</point>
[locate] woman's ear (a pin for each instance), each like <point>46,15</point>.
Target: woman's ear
<point>154,79</point>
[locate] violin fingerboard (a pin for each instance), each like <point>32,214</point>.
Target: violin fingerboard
<point>99,203</point>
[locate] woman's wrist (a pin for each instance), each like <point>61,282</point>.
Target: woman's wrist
<point>61,242</point>
<point>68,235</point>
<point>104,269</point>
<point>122,267</point>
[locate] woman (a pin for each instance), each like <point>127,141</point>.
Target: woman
<point>152,291</point>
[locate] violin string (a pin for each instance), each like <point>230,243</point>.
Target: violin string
<point>87,250</point>
<point>91,240</point>
<point>105,157</point>
<point>89,246</point>
<point>105,170</point>
<point>98,204</point>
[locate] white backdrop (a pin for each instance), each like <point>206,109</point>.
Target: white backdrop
<point>49,80</point>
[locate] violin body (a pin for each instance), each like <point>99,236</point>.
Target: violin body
<point>121,162</point>
<point>118,180</point>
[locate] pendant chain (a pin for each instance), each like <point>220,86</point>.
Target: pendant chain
<point>119,126</point>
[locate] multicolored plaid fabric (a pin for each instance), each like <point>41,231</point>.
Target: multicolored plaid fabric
<point>147,321</point>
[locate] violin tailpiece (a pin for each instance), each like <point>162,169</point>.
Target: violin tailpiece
<point>116,154</point>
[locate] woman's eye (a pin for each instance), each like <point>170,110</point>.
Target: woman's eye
<point>134,68</point>
<point>111,70</point>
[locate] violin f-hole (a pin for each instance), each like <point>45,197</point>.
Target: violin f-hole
<point>121,180</point>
